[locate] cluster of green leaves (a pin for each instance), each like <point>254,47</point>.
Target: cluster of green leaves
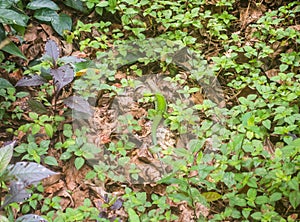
<point>9,95</point>
<point>238,170</point>
<point>13,14</point>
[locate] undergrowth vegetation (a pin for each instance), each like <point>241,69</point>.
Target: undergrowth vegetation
<point>229,71</point>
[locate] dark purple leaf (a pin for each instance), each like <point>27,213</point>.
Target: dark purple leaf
<point>29,172</point>
<point>52,50</point>
<point>17,193</point>
<point>117,205</point>
<point>103,214</point>
<point>62,76</point>
<point>31,218</point>
<point>34,80</point>
<point>79,104</point>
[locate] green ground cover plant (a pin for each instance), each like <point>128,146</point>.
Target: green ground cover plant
<point>237,153</point>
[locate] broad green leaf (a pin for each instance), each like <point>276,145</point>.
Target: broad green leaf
<point>5,155</point>
<point>79,161</point>
<point>5,84</point>
<point>102,4</point>
<point>62,23</point>
<point>256,216</point>
<point>11,17</point>
<point>38,4</point>
<point>237,141</point>
<point>251,193</point>
<point>133,217</point>
<point>211,196</point>
<point>75,4</point>
<point>237,201</point>
<point>12,49</point>
<point>33,115</point>
<point>283,67</point>
<point>50,160</point>
<point>45,15</point>
<point>35,128</point>
<point>6,3</point>
<point>246,212</point>
<point>49,130</point>
<point>267,123</point>
<point>275,197</point>
<point>262,200</point>
<point>294,199</point>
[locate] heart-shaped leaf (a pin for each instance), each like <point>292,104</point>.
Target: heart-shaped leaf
<point>8,16</point>
<point>61,23</point>
<point>38,4</point>
<point>45,14</point>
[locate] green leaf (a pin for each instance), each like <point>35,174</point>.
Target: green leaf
<point>246,212</point>
<point>11,17</point>
<point>5,84</point>
<point>6,4</point>
<point>12,49</point>
<point>75,4</point>
<point>211,196</point>
<point>79,161</point>
<point>251,193</point>
<point>256,216</point>
<point>283,67</point>
<point>237,141</point>
<point>50,160</point>
<point>294,199</point>
<point>262,200</point>
<point>275,196</point>
<point>35,128</point>
<point>133,215</point>
<point>294,184</point>
<point>238,201</point>
<point>38,4</point>
<point>49,130</point>
<point>61,23</point>
<point>5,156</point>
<point>102,4</point>
<point>45,15</point>
<point>33,116</point>
<point>252,182</point>
<point>267,123</point>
